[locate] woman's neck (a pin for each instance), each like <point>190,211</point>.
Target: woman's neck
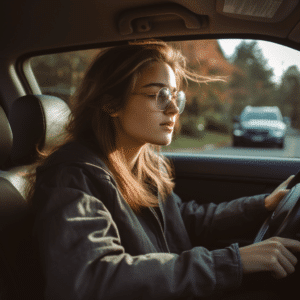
<point>131,155</point>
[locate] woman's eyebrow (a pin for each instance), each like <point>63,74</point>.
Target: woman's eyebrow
<point>161,85</point>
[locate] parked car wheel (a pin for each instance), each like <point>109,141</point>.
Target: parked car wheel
<point>281,145</point>
<point>235,143</point>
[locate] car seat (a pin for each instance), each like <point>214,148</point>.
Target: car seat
<point>9,208</point>
<point>6,138</point>
<point>37,122</point>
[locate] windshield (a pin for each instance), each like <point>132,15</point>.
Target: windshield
<point>260,116</point>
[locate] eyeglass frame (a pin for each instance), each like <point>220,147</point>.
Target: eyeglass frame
<point>172,93</point>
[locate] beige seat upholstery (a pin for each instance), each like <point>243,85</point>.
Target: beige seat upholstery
<point>33,120</point>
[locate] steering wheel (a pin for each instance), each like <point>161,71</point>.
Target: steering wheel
<point>285,220</point>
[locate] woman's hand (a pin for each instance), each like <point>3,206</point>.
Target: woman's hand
<point>277,195</point>
<point>270,255</point>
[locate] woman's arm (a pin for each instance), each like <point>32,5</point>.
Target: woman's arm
<point>229,220</point>
<point>209,222</point>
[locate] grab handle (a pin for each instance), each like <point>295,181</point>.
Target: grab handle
<point>191,20</point>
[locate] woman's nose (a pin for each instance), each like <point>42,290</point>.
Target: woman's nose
<point>172,108</point>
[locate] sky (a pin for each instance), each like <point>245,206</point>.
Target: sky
<point>279,57</point>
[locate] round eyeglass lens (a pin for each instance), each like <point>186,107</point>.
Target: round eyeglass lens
<point>180,101</point>
<point>164,98</point>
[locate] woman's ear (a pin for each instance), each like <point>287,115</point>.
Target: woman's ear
<point>116,114</point>
<point>108,107</point>
<point>112,112</point>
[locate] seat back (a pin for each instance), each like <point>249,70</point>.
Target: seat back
<point>6,139</point>
<point>35,121</point>
<point>11,209</point>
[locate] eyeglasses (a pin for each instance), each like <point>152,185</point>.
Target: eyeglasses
<point>164,98</point>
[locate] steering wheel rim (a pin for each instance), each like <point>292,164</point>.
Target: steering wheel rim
<point>285,220</point>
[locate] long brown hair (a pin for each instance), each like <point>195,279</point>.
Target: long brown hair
<point>103,91</point>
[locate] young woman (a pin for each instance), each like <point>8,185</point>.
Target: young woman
<point>108,224</point>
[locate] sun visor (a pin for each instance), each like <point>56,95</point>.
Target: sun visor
<point>269,11</point>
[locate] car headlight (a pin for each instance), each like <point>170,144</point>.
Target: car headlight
<point>238,132</point>
<point>278,133</point>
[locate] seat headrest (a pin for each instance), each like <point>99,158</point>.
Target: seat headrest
<point>6,137</point>
<point>36,120</point>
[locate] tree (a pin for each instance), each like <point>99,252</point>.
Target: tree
<point>60,74</point>
<point>253,84</point>
<point>289,95</point>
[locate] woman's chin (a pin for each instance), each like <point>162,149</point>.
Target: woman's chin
<point>163,142</point>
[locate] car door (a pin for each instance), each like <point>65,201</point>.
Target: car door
<point>215,178</point>
<point>208,178</point>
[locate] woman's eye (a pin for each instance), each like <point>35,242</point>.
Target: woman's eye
<point>151,96</point>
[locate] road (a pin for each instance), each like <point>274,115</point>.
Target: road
<point>291,149</point>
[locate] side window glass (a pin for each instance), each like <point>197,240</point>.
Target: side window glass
<point>60,74</point>
<point>253,113</point>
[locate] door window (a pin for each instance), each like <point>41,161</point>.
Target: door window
<point>262,78</point>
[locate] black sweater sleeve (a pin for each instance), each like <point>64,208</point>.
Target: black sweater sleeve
<point>228,220</point>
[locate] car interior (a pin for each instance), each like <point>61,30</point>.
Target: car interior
<point>32,120</point>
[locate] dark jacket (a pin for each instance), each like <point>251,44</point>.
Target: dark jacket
<point>93,246</point>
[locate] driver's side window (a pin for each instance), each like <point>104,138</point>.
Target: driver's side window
<point>262,79</point>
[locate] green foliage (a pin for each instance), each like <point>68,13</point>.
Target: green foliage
<point>206,141</point>
<point>217,122</point>
<point>252,82</point>
<point>59,74</point>
<point>289,94</point>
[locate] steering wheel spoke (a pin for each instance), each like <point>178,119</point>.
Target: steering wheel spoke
<point>285,220</point>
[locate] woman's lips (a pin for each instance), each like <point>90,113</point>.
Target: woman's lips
<point>168,123</point>
<point>167,127</point>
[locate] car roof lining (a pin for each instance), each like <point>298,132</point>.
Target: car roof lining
<point>32,29</point>
<point>249,36</point>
